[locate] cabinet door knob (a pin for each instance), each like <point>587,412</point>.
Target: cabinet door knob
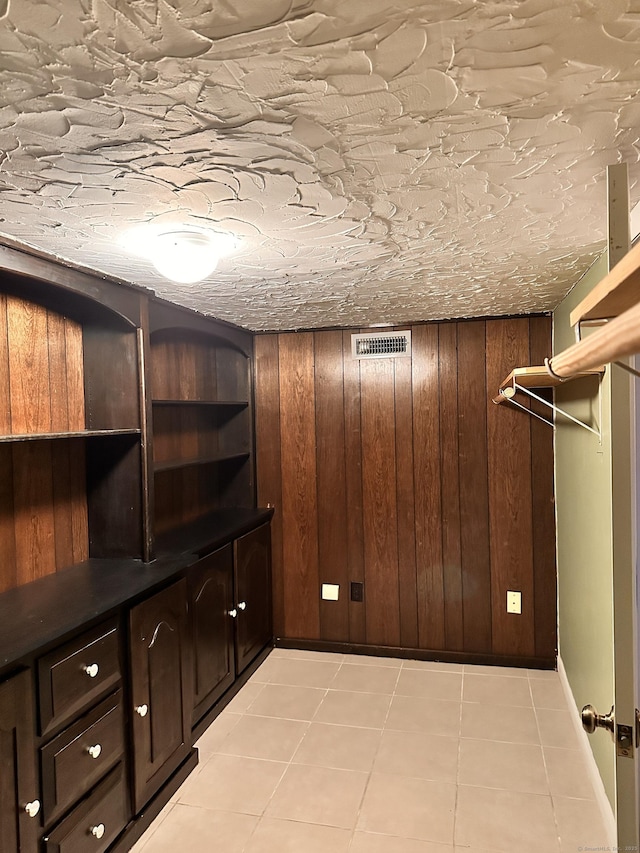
<point>242,605</point>
<point>233,613</point>
<point>142,710</point>
<point>92,670</point>
<point>97,831</point>
<point>95,750</point>
<point>32,808</point>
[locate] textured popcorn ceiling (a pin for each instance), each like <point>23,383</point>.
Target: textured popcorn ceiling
<point>379,160</point>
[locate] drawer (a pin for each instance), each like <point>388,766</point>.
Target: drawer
<point>95,823</point>
<point>80,756</point>
<point>74,675</point>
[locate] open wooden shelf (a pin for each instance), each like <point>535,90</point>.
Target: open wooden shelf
<point>84,433</point>
<point>173,464</point>
<point>617,292</point>
<point>223,404</point>
<point>536,376</point>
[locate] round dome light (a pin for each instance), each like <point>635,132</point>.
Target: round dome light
<point>185,256</point>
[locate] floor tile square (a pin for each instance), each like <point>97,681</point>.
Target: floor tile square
<point>499,723</point>
<point>568,773</point>
<point>408,808</point>
<point>264,737</point>
<point>354,709</point>
<point>433,665</point>
<point>274,835</point>
<point>496,690</point>
<point>366,679</point>
<point>432,684</point>
<point>548,693</point>
<point>505,821</point>
<point>291,703</point>
<point>201,829</point>
<point>299,672</point>
<point>580,825</point>
<point>319,795</point>
<point>493,764</point>
<point>232,783</point>
<point>557,728</point>
<point>342,747</point>
<point>216,734</point>
<point>431,716</point>
<point>416,754</point>
<point>369,842</point>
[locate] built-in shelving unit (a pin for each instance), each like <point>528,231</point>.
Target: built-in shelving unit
<point>200,381</point>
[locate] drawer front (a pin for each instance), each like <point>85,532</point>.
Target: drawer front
<point>76,674</point>
<point>80,756</point>
<point>95,823</point>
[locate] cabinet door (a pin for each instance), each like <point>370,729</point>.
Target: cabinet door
<point>253,594</point>
<point>18,793</point>
<point>211,599</point>
<point>161,688</point>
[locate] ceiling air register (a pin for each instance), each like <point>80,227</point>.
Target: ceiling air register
<point>381,345</point>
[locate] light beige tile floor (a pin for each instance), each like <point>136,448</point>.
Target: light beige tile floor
<point>328,753</point>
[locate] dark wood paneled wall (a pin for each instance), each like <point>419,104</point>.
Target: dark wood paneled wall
<point>402,474</point>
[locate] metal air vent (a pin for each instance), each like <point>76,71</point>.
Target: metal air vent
<point>381,345</point>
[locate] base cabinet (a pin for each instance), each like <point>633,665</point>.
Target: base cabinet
<point>161,689</point>
<point>19,798</point>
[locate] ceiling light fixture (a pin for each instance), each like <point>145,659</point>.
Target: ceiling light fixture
<point>183,254</point>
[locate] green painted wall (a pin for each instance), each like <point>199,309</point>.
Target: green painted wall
<point>584,501</point>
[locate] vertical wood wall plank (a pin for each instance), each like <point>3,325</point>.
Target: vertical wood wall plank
<point>382,602</point>
<point>62,502</point>
<point>8,567</point>
<point>542,482</point>
<point>28,367</point>
<point>78,499</point>
<point>268,458</point>
<point>509,455</point>
<point>474,494</point>
<point>58,388</point>
<point>405,496</point>
<point>426,437</point>
<point>330,466</point>
<point>450,480</point>
<point>5,400</point>
<point>75,374</point>
<point>299,501</point>
<point>353,484</point>
<point>34,513</point>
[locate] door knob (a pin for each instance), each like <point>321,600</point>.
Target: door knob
<point>592,720</point>
<point>142,710</point>
<point>32,808</point>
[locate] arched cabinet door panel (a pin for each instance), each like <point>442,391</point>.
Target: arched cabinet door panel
<point>211,600</point>
<point>253,594</point>
<point>161,688</point>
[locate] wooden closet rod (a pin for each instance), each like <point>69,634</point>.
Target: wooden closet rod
<point>619,338</point>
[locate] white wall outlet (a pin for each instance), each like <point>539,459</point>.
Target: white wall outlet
<point>330,591</point>
<point>514,602</point>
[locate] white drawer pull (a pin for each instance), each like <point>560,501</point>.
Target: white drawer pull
<point>32,808</point>
<point>242,605</point>
<point>97,831</point>
<point>92,670</point>
<point>95,750</point>
<point>142,710</point>
<point>233,613</point>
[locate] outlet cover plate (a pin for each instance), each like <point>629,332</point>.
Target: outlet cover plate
<point>514,602</point>
<point>330,591</point>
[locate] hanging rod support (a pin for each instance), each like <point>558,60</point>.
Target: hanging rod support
<point>509,394</point>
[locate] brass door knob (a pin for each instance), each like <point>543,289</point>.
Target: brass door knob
<point>592,720</point>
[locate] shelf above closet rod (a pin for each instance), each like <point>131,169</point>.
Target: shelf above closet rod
<point>618,291</point>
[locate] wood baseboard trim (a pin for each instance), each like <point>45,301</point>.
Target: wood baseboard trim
<point>529,662</point>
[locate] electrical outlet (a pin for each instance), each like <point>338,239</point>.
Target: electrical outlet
<point>357,591</point>
<point>514,602</point>
<point>330,591</point>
